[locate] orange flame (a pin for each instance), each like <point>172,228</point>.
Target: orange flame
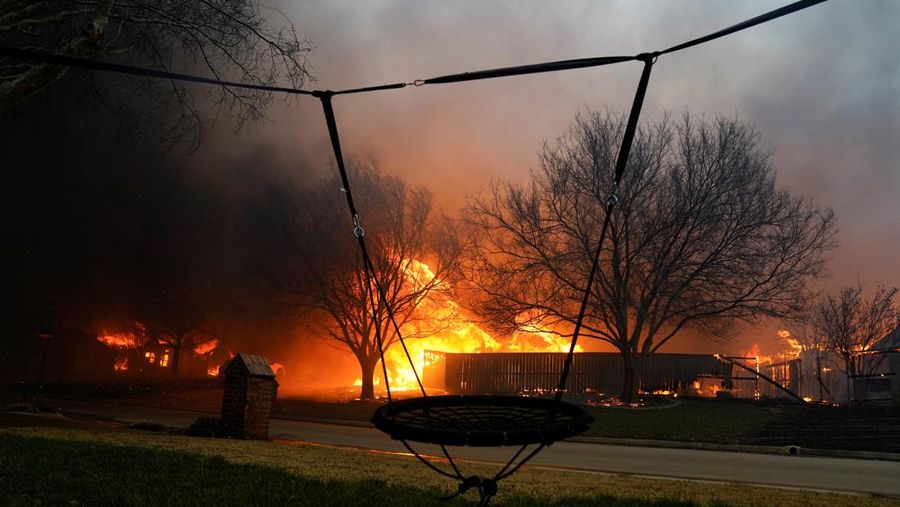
<point>454,333</point>
<point>795,347</point>
<point>121,364</point>
<point>202,349</point>
<point>121,340</point>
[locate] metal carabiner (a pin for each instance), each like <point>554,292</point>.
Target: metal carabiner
<point>358,231</point>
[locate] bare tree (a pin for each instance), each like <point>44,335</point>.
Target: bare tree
<point>415,254</point>
<point>175,313</point>
<point>851,324</point>
<point>701,237</point>
<point>225,38</point>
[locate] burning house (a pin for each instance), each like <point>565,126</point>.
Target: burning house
<point>139,356</point>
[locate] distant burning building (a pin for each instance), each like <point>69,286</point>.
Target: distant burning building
<point>537,372</point>
<point>136,355</point>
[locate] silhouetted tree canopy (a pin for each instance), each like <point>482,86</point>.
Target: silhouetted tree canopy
<point>701,237</point>
<point>851,324</point>
<point>228,39</point>
<point>319,267</point>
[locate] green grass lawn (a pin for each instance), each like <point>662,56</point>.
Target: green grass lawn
<point>756,423</point>
<point>690,421</point>
<point>701,420</point>
<point>40,466</point>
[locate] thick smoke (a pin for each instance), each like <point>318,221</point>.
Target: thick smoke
<point>91,218</point>
<point>107,226</point>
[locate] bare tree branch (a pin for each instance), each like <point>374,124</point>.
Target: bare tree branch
<point>231,39</point>
<point>701,237</point>
<point>414,252</point>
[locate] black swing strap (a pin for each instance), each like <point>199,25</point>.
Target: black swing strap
<point>370,295</point>
<point>612,200</point>
<point>57,59</point>
<point>360,234</point>
<point>85,63</point>
<point>762,18</point>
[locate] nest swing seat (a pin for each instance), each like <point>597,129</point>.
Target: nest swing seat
<point>481,420</point>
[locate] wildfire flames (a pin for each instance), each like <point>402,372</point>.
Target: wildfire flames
<point>135,351</point>
<point>126,340</point>
<point>123,342</point>
<point>453,332</point>
<point>121,364</point>
<point>792,352</point>
<point>207,347</point>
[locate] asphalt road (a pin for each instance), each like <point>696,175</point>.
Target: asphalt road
<point>831,474</point>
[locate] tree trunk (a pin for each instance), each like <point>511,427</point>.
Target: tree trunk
<point>367,370</point>
<point>858,387</point>
<point>630,378</point>
<point>849,372</point>
<point>176,357</point>
<point>819,374</point>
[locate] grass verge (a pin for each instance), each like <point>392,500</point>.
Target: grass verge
<point>690,421</point>
<point>70,466</point>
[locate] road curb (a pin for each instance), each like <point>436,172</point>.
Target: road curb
<point>324,420</point>
<point>787,450</point>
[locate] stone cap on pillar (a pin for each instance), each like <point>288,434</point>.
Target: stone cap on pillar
<point>253,365</point>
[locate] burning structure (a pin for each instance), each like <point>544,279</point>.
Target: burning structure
<point>137,355</point>
<point>878,379</point>
<point>818,372</point>
<point>536,373</point>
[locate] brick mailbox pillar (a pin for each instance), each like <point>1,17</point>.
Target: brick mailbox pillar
<point>250,390</point>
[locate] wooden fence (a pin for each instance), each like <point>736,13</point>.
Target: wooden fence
<point>523,372</point>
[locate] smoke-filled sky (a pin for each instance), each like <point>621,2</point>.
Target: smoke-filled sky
<point>821,85</point>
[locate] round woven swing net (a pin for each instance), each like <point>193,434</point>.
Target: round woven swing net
<point>481,420</point>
